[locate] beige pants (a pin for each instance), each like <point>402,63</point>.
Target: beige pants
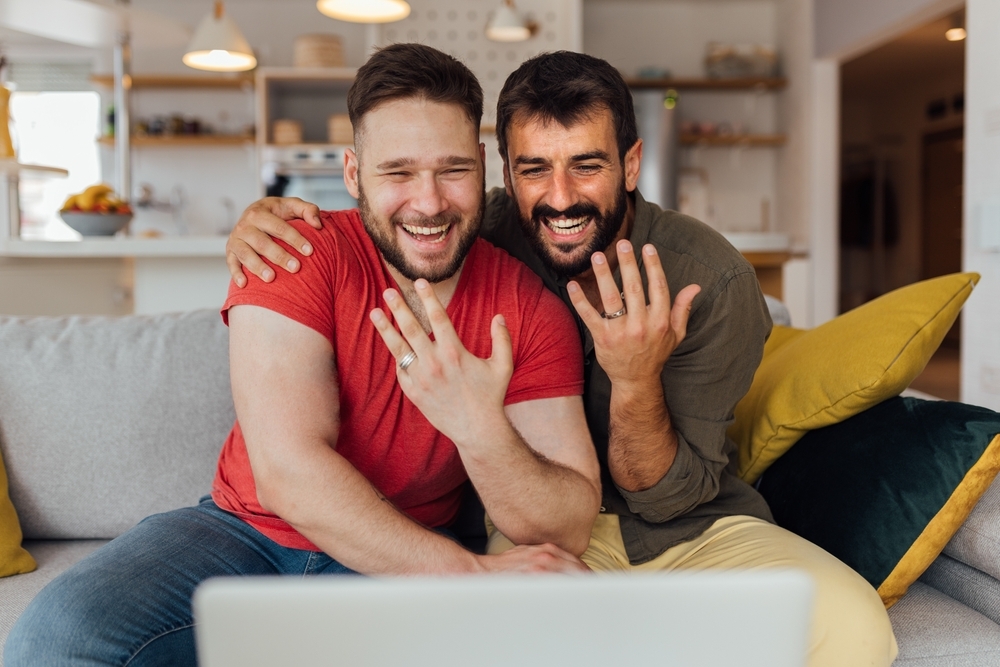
<point>850,624</point>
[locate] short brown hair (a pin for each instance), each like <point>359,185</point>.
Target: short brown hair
<point>567,87</point>
<point>401,71</point>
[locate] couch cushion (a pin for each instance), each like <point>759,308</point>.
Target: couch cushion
<point>885,490</point>
<point>977,542</point>
<point>973,588</point>
<point>104,421</point>
<point>53,558</point>
<point>810,379</point>
<point>933,630</point>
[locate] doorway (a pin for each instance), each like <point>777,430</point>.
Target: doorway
<point>902,118</point>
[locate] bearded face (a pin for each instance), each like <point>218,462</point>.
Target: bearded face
<point>451,231</point>
<point>586,228</point>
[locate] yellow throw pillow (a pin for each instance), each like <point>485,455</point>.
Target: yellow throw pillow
<point>815,378</point>
<point>13,558</point>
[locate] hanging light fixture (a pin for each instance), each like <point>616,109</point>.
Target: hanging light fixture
<point>508,26</point>
<point>218,45</point>
<point>956,33</point>
<point>365,11</point>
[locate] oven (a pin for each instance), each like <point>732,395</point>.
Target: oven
<point>312,173</point>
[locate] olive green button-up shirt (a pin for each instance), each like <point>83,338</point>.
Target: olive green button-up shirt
<point>703,380</point>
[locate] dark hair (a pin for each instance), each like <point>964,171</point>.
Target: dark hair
<point>413,70</point>
<point>566,87</point>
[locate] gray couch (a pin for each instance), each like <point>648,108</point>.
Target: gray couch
<point>104,421</point>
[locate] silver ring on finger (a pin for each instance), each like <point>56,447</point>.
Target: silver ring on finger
<point>616,314</point>
<point>407,360</point>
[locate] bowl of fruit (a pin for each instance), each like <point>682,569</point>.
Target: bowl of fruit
<point>96,212</point>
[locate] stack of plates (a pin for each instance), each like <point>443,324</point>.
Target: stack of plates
<point>320,50</point>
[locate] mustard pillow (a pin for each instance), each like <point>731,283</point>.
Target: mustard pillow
<point>815,378</point>
<point>13,558</point>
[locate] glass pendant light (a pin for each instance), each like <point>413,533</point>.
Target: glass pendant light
<point>218,45</point>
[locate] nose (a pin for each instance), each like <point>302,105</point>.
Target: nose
<point>560,195</point>
<point>428,198</point>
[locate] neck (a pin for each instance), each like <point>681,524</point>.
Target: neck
<point>444,291</point>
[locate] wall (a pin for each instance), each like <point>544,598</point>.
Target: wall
<point>981,318</point>
<point>847,27</point>
<point>632,34</point>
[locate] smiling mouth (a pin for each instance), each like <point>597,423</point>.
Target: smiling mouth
<point>567,226</point>
<point>427,234</point>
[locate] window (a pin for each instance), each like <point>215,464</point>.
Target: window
<point>55,129</point>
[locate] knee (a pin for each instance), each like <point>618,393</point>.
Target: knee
<point>851,626</point>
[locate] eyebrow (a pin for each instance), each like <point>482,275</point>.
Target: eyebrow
<point>450,161</point>
<point>581,157</point>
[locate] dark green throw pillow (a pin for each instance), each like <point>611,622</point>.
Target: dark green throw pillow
<point>886,489</point>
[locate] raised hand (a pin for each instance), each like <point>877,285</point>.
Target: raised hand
<point>633,340</point>
<point>251,237</point>
<point>459,393</point>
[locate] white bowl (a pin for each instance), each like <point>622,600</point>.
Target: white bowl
<point>96,224</point>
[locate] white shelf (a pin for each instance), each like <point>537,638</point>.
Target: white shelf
<point>190,246</point>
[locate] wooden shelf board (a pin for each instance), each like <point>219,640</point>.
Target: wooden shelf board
<point>179,81</point>
<point>747,140</point>
<point>762,83</point>
<point>192,140</point>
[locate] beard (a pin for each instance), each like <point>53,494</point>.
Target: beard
<point>383,235</point>
<point>561,257</point>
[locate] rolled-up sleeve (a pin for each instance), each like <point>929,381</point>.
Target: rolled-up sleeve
<point>702,382</point>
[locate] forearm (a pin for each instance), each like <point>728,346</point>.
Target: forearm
<point>326,499</point>
<point>530,498</point>
<point>642,443</point>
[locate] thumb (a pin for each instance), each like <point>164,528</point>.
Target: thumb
<point>681,310</point>
<point>502,354</point>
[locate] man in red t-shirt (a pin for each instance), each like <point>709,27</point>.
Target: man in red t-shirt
<point>354,437</point>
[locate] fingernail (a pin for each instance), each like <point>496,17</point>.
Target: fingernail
<point>377,316</point>
<point>292,265</point>
<point>649,250</point>
<point>420,283</point>
<point>390,295</point>
<point>307,249</point>
<point>572,288</point>
<point>268,275</point>
<point>598,258</point>
<point>624,246</point>
<point>501,321</point>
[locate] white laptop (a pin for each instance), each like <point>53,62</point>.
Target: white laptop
<point>746,619</point>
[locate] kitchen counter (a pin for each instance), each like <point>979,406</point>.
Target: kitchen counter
<point>112,246</point>
<point>767,252</point>
<point>169,274</point>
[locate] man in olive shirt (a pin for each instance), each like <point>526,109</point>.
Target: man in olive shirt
<point>659,396</point>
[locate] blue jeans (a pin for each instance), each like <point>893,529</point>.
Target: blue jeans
<point>129,602</point>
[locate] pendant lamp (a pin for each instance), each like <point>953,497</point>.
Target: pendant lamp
<point>365,11</point>
<point>508,26</point>
<point>218,45</point>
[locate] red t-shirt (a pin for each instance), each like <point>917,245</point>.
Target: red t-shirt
<point>381,432</point>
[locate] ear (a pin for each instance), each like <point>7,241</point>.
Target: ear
<point>506,180</point>
<point>351,172</point>
<point>633,158</point>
